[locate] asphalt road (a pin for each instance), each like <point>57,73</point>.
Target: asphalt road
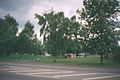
<point>32,71</point>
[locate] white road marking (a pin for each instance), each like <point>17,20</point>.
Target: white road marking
<point>68,75</point>
<point>31,70</point>
<point>7,69</point>
<point>17,68</point>
<point>44,74</point>
<point>101,77</point>
<point>57,76</point>
<point>48,73</point>
<point>34,75</point>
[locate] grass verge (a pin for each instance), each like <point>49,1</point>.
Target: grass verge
<point>91,61</point>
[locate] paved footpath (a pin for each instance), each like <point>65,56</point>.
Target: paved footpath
<point>28,71</point>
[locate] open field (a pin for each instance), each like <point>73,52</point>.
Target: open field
<point>92,61</point>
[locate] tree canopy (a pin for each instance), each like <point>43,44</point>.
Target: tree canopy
<point>98,15</point>
<point>60,33</point>
<point>8,31</point>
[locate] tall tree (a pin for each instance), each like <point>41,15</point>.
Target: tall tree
<point>58,32</point>
<point>24,41</point>
<point>98,15</point>
<point>51,26</point>
<point>8,31</point>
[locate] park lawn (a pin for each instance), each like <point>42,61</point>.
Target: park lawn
<point>91,61</point>
<point>80,60</point>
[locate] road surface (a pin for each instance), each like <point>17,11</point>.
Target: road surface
<point>31,71</point>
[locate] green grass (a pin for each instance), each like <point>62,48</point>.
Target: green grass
<point>81,60</point>
<point>91,61</point>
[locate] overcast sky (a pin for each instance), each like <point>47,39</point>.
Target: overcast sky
<point>23,10</point>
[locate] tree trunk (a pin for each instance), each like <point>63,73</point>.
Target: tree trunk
<point>101,58</point>
<point>21,55</point>
<point>54,60</point>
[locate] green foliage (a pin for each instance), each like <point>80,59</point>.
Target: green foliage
<point>98,15</point>
<point>8,31</point>
<point>37,47</point>
<point>24,40</point>
<point>60,33</point>
<point>27,42</point>
<point>51,29</point>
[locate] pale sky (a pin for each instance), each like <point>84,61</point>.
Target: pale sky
<point>23,10</point>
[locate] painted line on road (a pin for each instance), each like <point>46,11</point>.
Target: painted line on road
<point>12,69</point>
<point>101,77</point>
<point>35,75</point>
<point>59,76</point>
<point>17,68</point>
<point>6,69</point>
<point>31,70</point>
<point>38,73</point>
